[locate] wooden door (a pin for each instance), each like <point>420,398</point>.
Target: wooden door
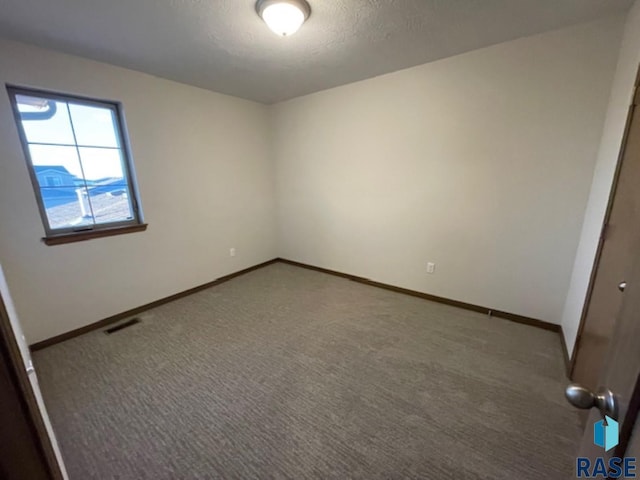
<point>20,457</point>
<point>620,235</point>
<point>28,449</point>
<point>621,369</point>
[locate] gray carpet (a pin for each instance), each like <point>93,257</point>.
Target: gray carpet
<point>290,373</point>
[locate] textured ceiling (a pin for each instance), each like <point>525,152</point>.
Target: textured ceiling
<point>222,45</point>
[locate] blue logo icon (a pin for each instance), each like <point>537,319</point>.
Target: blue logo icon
<point>605,433</point>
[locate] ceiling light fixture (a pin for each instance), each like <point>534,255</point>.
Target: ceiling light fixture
<point>284,17</point>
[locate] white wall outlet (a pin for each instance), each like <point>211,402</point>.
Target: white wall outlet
<point>232,252</point>
<point>431,267</point>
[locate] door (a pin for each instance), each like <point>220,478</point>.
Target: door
<point>620,370</point>
<point>25,424</point>
<point>620,235</point>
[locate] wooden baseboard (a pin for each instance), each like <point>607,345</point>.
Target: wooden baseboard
<point>565,352</point>
<point>138,310</point>
<point>455,303</point>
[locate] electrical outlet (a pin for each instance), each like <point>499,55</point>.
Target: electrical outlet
<point>431,267</point>
<point>232,252</point>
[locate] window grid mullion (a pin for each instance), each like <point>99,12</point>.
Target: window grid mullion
<point>84,178</point>
<point>48,144</point>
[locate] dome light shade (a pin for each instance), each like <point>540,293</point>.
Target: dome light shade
<point>284,17</point>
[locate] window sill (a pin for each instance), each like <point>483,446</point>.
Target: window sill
<point>91,234</point>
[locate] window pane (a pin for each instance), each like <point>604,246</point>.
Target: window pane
<point>102,164</point>
<point>66,207</point>
<point>45,121</point>
<point>77,159</point>
<point>111,203</point>
<point>56,166</point>
<point>94,126</point>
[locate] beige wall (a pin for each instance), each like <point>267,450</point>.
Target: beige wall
<point>206,183</point>
<point>619,101</point>
<point>480,163</point>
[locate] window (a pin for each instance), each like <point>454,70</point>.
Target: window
<point>53,181</point>
<point>79,165</point>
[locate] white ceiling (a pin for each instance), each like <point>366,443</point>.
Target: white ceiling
<point>222,45</point>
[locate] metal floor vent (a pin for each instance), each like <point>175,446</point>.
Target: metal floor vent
<point>126,324</point>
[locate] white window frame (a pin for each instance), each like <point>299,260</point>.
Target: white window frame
<point>123,144</point>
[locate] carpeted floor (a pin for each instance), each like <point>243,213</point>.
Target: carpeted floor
<point>290,373</point>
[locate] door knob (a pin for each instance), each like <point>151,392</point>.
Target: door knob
<point>622,286</point>
<point>583,398</point>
